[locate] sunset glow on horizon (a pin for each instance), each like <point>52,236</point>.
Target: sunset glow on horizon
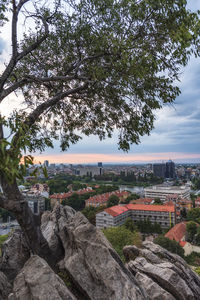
<point>85,158</point>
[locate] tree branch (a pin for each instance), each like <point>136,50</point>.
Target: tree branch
<point>34,115</point>
<point>38,42</point>
<point>14,87</point>
<point>55,78</point>
<point>51,102</point>
<point>15,55</point>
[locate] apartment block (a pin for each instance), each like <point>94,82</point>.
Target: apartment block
<point>162,192</point>
<point>117,215</point>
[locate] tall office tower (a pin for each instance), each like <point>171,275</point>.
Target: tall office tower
<point>170,170</point>
<point>159,170</point>
<point>46,163</point>
<point>100,166</point>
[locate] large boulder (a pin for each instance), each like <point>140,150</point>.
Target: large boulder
<point>162,274</point>
<point>5,287</point>
<point>37,281</point>
<point>93,265</point>
<point>50,229</point>
<point>15,253</point>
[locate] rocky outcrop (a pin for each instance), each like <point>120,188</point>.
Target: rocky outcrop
<point>162,274</point>
<point>94,270</point>
<point>49,227</point>
<point>15,253</point>
<point>37,281</point>
<point>92,264</point>
<point>5,287</point>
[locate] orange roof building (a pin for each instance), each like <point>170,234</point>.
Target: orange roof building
<point>101,200</point>
<point>59,197</point>
<point>117,215</point>
<point>177,233</point>
<point>142,201</point>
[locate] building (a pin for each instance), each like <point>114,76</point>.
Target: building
<point>177,233</point>
<point>59,197</point>
<point>117,215</point>
<point>170,170</point>
<point>101,200</point>
<point>162,192</point>
<point>36,203</point>
<point>159,170</point>
<point>46,163</point>
<point>88,171</point>
<point>145,201</point>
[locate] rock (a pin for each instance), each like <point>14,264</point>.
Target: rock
<point>155,291</point>
<point>37,281</point>
<point>49,228</point>
<point>5,287</point>
<point>162,274</point>
<point>91,262</point>
<point>15,253</point>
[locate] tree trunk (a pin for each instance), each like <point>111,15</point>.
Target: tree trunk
<point>29,223</point>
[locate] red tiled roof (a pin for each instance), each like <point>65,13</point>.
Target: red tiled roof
<point>67,195</point>
<point>177,232</point>
<point>103,198</point>
<point>151,207</point>
<point>116,210</point>
<point>182,243</point>
<point>142,201</point>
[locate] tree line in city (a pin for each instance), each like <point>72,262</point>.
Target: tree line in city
<point>130,177</point>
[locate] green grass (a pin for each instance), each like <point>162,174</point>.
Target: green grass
<point>3,238</point>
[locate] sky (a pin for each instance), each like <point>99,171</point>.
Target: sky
<point>176,133</point>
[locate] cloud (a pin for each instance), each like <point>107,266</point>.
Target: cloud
<point>3,46</point>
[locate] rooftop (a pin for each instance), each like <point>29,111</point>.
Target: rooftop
<point>174,189</point>
<point>177,232</point>
<point>161,208</point>
<point>116,210</point>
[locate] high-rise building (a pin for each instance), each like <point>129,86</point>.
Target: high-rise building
<point>159,170</point>
<point>170,170</point>
<point>46,163</point>
<point>100,165</point>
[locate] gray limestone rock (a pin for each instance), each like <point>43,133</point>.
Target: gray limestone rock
<point>5,287</point>
<point>166,273</point>
<point>15,253</point>
<point>37,281</point>
<point>91,262</point>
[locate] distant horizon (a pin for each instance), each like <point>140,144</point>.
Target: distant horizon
<point>94,158</point>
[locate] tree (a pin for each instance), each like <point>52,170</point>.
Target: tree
<point>191,230</point>
<point>194,215</point>
<point>183,213</point>
<point>113,200</point>
<point>99,66</point>
<point>120,237</point>
<point>170,245</point>
<point>158,201</point>
<point>129,224</point>
<point>74,201</point>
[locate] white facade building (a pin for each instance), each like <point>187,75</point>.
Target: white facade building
<point>162,192</point>
<point>117,215</point>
